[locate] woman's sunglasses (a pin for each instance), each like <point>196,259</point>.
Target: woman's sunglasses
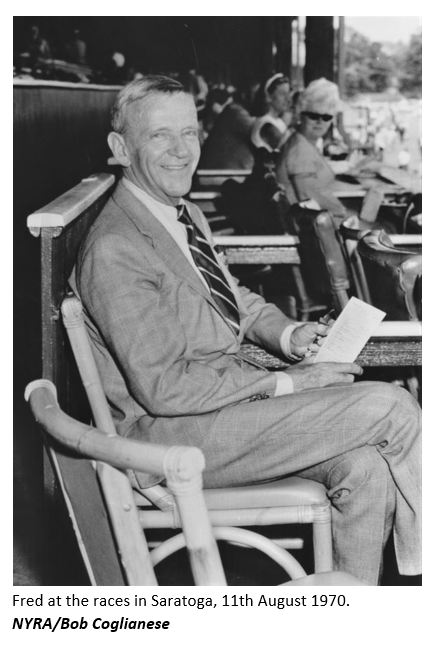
<point>314,116</point>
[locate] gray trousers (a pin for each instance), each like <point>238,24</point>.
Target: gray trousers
<point>362,441</point>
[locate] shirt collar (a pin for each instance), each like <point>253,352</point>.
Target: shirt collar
<point>157,208</point>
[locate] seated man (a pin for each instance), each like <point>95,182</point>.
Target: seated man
<point>228,145</point>
<point>166,321</point>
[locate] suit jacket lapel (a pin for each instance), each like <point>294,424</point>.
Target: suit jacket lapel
<point>161,240</point>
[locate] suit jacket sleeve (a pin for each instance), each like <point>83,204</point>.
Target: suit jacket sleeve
<point>122,294</point>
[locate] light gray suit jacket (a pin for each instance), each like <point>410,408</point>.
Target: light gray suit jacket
<point>167,357</point>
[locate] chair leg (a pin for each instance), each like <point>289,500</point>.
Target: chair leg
<point>301,292</point>
<point>410,382</point>
<point>293,307</point>
<point>341,299</point>
<point>322,539</point>
<point>413,385</point>
<point>304,304</point>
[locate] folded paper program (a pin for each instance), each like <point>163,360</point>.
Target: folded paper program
<point>350,333</point>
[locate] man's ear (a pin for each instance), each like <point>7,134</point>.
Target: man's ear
<point>119,148</point>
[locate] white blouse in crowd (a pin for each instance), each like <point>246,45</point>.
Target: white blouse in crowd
<point>263,121</point>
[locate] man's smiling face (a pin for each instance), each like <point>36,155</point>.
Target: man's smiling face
<point>163,145</point>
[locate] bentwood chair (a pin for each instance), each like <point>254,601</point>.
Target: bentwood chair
<point>182,468</point>
<point>394,280</point>
<point>290,500</point>
<point>393,276</point>
<point>323,266</point>
<point>116,551</point>
<point>349,234</point>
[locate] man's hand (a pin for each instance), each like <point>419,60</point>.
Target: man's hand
<point>308,337</point>
<point>318,375</point>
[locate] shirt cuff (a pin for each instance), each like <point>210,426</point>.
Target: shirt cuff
<point>285,341</point>
<point>285,385</point>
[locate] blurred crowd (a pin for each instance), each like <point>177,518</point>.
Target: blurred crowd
<point>253,116</point>
<point>68,62</point>
<point>238,120</point>
<point>300,147</point>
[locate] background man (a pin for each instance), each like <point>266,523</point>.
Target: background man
<point>166,320</point>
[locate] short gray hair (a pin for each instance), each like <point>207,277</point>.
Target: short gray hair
<point>319,91</point>
<point>139,89</point>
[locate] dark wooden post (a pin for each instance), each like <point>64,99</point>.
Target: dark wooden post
<point>341,57</point>
<point>320,48</point>
<point>283,40</point>
<point>269,39</point>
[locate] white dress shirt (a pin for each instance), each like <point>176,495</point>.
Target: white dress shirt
<point>168,217</point>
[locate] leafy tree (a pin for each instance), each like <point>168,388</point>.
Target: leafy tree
<point>367,66</point>
<point>410,66</point>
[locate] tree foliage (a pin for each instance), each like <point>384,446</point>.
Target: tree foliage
<point>410,67</point>
<point>373,67</point>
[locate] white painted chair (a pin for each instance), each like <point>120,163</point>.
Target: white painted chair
<point>120,554</point>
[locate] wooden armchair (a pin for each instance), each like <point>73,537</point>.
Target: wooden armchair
<point>111,539</point>
<point>181,466</point>
<point>394,280</point>
<point>322,263</point>
<point>393,276</point>
<point>349,234</point>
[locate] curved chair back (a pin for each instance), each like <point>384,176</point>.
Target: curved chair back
<point>322,263</point>
<point>393,275</point>
<point>412,222</point>
<point>349,234</point>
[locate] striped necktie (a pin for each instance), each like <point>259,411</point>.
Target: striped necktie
<point>208,265</point>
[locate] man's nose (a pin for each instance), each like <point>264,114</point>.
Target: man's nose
<point>178,146</point>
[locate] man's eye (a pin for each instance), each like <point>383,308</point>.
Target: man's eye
<point>159,135</point>
<point>191,133</point>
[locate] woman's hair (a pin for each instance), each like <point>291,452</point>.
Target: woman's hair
<point>275,81</point>
<point>321,92</point>
<point>266,90</point>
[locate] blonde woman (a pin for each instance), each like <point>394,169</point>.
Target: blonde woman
<point>301,168</point>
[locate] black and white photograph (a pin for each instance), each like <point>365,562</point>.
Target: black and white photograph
<point>217,304</point>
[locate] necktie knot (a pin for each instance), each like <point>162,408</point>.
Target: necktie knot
<point>183,214</point>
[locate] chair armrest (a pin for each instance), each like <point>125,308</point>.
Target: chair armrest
<point>394,343</point>
<point>398,329</point>
<point>66,208</point>
<point>207,173</point>
<point>168,461</point>
<point>182,467</point>
<point>406,240</point>
<point>257,241</point>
